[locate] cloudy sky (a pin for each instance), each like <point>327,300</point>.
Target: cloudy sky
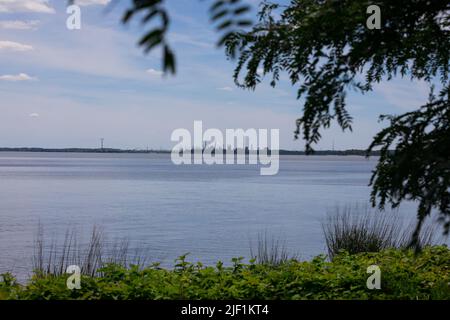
<point>63,88</point>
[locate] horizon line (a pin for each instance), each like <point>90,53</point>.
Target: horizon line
<point>161,150</point>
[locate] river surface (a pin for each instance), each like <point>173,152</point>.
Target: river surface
<point>214,212</point>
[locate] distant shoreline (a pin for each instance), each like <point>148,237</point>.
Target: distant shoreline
<point>349,152</point>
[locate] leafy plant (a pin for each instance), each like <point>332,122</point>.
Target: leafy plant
<point>404,275</point>
<point>419,169</point>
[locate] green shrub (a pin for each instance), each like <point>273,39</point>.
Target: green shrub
<point>404,275</point>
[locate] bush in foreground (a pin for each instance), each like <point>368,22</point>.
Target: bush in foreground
<point>360,229</point>
<point>404,275</point>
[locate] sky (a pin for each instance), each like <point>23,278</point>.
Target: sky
<point>69,88</point>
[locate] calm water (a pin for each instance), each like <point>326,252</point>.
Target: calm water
<point>213,212</point>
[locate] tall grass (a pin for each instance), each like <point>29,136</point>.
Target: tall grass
<point>54,258</point>
<point>360,229</point>
<point>270,251</point>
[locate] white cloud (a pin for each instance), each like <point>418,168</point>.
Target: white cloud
<point>92,2</point>
<point>92,50</point>
<point>18,24</point>
<point>34,115</point>
<point>18,77</point>
<point>154,73</point>
<point>190,40</point>
<point>225,89</point>
<point>40,6</point>
<point>14,46</point>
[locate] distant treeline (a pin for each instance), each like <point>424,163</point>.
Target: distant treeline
<point>350,152</point>
<point>85,150</point>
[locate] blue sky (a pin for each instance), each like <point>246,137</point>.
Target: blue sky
<point>62,88</point>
